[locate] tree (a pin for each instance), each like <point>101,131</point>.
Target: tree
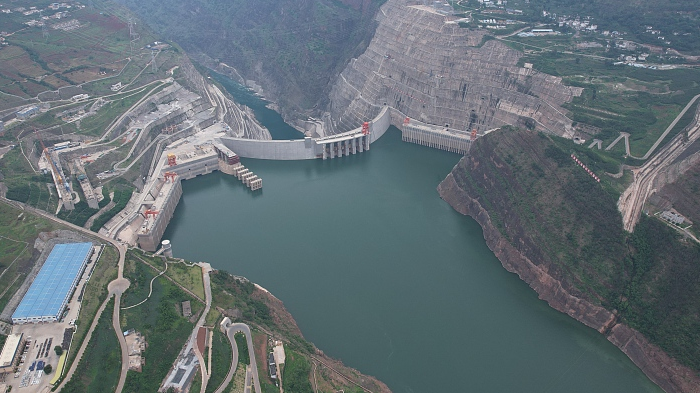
<point>48,369</point>
<point>58,349</point>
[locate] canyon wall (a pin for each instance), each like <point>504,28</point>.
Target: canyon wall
<point>426,66</point>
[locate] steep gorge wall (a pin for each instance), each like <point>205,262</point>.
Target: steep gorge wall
<point>440,73</point>
<point>519,254</point>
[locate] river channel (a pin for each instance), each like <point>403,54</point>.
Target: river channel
<point>380,272</point>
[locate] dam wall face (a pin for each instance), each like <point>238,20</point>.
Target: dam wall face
<point>309,148</point>
<point>434,71</point>
<point>302,149</point>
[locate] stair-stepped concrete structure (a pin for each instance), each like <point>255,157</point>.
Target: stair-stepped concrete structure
<point>230,163</point>
<point>429,69</point>
<point>442,138</point>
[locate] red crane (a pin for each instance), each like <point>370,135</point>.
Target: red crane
<point>171,175</point>
<point>365,128</point>
<point>150,212</point>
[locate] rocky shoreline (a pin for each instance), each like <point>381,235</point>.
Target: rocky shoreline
<point>663,370</point>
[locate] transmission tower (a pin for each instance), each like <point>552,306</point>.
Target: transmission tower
<point>44,28</point>
<point>153,61</point>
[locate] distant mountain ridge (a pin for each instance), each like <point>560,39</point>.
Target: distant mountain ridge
<point>292,48</point>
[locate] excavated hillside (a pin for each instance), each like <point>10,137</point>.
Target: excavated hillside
<point>550,222</point>
<point>425,65</point>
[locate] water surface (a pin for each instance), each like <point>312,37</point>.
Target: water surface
<point>274,122</point>
<point>380,272</point>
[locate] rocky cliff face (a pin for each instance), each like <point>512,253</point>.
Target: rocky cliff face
<point>548,280</point>
<point>424,65</point>
<point>292,48</point>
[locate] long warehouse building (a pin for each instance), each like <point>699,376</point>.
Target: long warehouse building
<point>50,292</point>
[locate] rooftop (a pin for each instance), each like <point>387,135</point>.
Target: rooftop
<point>10,349</point>
<point>52,286</point>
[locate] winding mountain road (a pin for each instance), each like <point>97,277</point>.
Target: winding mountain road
<point>231,330</point>
<point>635,196</point>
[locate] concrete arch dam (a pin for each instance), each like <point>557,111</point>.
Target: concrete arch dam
<point>351,142</point>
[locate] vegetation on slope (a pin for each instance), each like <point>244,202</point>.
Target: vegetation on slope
<point>25,185</point>
<point>557,215</point>
<point>292,47</point>
<point>98,370</point>
<point>18,232</point>
<point>160,322</point>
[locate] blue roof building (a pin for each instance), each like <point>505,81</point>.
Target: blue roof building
<point>48,295</point>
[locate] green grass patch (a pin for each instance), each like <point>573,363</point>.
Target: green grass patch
<point>221,360</point>
<point>188,277</point>
<point>140,277</point>
<point>18,230</point>
<point>212,317</point>
<point>26,186</point>
<point>99,368</point>
<point>165,331</point>
<point>242,344</point>
<point>79,215</point>
<point>196,386</point>
<point>296,373</point>
<point>121,198</point>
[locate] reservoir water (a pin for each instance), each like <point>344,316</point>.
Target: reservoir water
<point>274,122</point>
<point>380,272</point>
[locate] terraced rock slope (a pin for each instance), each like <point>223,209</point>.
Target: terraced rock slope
<point>426,66</point>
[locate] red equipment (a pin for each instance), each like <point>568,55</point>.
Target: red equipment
<point>365,128</point>
<point>150,212</point>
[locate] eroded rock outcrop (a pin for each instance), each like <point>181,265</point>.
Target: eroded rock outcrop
<point>433,70</point>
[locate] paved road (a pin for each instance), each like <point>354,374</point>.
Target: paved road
<point>231,331</point>
<point>634,197</point>
<point>234,361</point>
<point>116,287</point>
<point>207,295</point>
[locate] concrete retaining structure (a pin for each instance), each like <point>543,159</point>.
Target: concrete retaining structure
<point>301,149</point>
<point>350,142</point>
<point>199,166</point>
<point>151,240</point>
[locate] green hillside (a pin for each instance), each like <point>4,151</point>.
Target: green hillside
<point>558,216</point>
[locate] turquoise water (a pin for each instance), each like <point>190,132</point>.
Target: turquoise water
<point>380,272</point>
<point>271,119</point>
